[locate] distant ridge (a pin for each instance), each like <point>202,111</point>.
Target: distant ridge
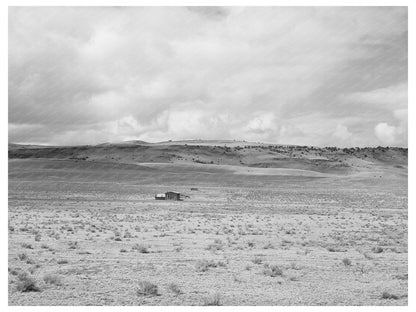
<point>130,142</point>
<point>228,143</point>
<point>18,145</point>
<point>136,142</point>
<point>227,152</point>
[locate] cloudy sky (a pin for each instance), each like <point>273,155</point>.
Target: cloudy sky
<point>306,75</point>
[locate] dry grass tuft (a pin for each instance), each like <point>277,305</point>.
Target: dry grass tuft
<point>217,245</point>
<point>175,289</point>
<point>63,261</point>
<point>140,248</point>
<point>147,288</point>
<point>272,270</point>
<point>204,265</point>
<point>26,283</point>
<point>346,261</point>
<point>387,295</point>
<point>27,246</point>
<point>52,279</point>
<point>377,249</point>
<point>258,260</point>
<point>214,300</point>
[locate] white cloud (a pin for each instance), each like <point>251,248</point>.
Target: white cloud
<point>342,133</point>
<point>386,133</point>
<point>158,73</point>
<point>390,97</point>
<point>262,123</point>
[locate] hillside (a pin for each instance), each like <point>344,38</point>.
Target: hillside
<point>231,153</point>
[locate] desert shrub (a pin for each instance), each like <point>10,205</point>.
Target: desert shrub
<point>175,289</point>
<point>268,246</point>
<point>360,267</point>
<point>294,266</point>
<point>15,272</point>
<point>127,234</point>
<point>38,237</point>
<point>22,256</point>
<point>63,261</point>
<point>73,245</point>
<point>123,250</point>
<point>258,260</point>
<point>204,265</point>
<point>44,246</point>
<point>83,252</point>
<point>27,246</point>
<point>69,229</point>
<point>387,295</point>
<point>402,276</point>
<point>368,256</point>
<point>214,300</point>
<point>217,245</point>
<point>286,242</point>
<point>147,288</point>
<point>346,261</point>
<point>26,283</point>
<point>140,248</point>
<point>272,271</point>
<point>377,249</point>
<point>52,279</point>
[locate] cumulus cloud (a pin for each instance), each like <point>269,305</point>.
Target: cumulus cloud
<point>342,133</point>
<point>386,133</point>
<point>388,103</point>
<point>394,134</point>
<point>293,75</point>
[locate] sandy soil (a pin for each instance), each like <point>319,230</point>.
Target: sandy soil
<point>87,233</point>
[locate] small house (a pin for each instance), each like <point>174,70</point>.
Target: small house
<point>172,196</point>
<point>168,196</point>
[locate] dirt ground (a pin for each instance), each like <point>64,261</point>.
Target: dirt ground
<point>94,235</point>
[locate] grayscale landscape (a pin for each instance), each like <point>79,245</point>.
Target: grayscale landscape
<point>263,224</point>
<point>207,156</point>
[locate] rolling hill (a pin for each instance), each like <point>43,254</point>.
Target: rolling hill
<point>222,153</point>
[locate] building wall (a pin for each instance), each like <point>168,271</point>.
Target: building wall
<point>172,196</point>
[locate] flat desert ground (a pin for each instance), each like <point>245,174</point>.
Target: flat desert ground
<point>89,232</point>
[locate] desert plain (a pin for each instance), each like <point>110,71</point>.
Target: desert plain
<point>258,224</point>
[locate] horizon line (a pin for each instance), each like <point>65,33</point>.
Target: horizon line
<point>195,140</point>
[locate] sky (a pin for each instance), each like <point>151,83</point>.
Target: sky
<point>322,76</point>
